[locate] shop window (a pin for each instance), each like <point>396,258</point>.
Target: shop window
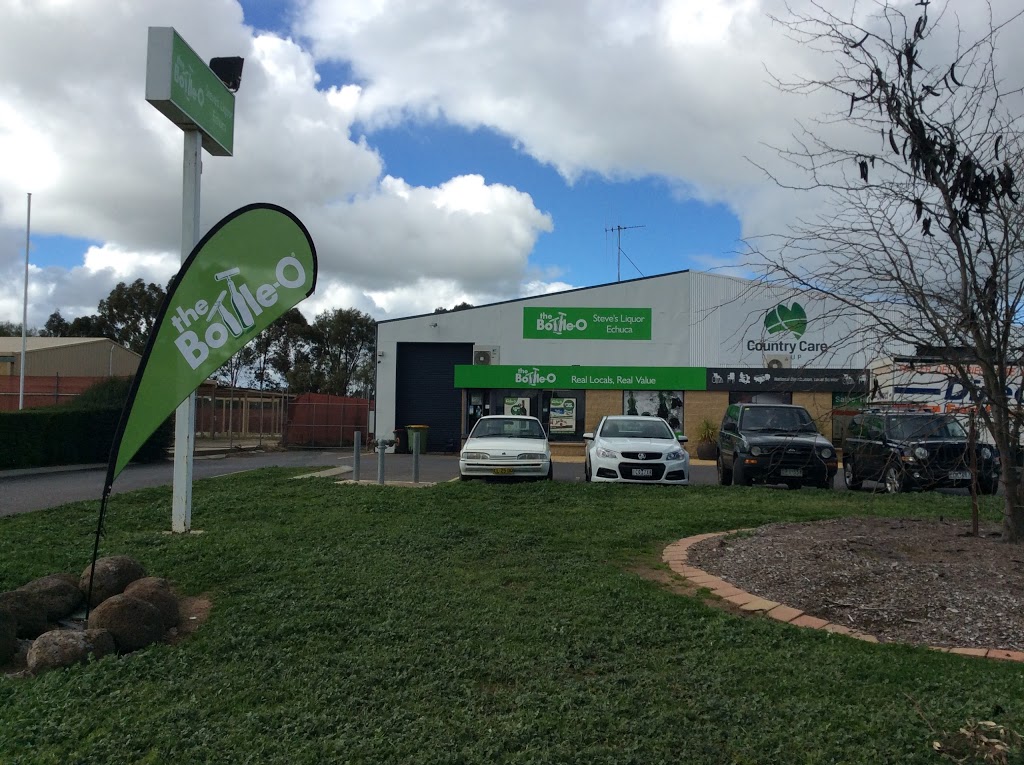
<point>563,414</point>
<point>667,404</point>
<point>562,417</point>
<point>477,405</point>
<point>517,405</point>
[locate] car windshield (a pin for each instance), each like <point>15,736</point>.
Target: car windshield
<point>924,426</point>
<point>507,427</point>
<point>782,418</point>
<point>637,429</point>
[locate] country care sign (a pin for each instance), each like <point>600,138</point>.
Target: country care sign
<point>586,323</point>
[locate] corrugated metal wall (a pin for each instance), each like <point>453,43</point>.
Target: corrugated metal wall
<point>93,358</point>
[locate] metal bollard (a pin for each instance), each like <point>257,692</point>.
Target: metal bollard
<point>357,450</point>
<point>416,456</point>
<point>381,449</point>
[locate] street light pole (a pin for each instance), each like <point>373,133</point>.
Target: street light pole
<point>24,311</point>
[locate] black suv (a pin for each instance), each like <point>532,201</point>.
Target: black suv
<point>773,443</point>
<point>913,449</point>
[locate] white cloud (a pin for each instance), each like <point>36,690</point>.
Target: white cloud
<point>673,88</point>
<point>676,89</point>
<point>104,165</point>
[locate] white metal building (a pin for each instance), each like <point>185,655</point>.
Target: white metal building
<point>683,345</point>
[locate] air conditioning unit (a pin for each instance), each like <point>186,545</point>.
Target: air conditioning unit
<point>484,355</point>
<point>778,360</point>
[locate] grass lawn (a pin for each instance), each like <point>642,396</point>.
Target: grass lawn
<point>473,623</point>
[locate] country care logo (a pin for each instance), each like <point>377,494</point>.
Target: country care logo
<point>232,313</point>
<point>783,319</point>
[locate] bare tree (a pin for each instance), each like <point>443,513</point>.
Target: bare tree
<point>920,234</point>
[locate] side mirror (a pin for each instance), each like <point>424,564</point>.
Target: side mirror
<point>588,436</point>
<point>682,439</point>
<point>730,427</point>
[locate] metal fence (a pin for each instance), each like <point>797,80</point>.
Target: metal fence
<point>319,421</point>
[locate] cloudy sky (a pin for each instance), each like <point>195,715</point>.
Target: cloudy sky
<point>439,151</point>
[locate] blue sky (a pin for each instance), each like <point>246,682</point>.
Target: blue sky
<point>666,232</point>
<point>674,231</point>
<point>438,152</point>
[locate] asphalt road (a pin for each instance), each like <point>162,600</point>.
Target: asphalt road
<point>46,488</point>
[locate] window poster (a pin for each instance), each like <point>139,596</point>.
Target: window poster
<point>667,404</point>
<point>516,405</point>
<point>562,415</point>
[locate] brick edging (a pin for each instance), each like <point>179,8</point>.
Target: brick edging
<point>676,554</point>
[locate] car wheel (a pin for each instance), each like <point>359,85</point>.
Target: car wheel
<point>826,484</point>
<point>739,477</point>
<point>724,476</point>
<point>893,480</point>
<point>794,484</point>
<point>551,471</point>
<point>853,481</point>
<point>463,477</point>
<point>587,475</point>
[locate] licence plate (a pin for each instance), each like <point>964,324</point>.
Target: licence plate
<point>643,473</point>
<point>791,472</point>
<point>502,471</point>
<point>959,475</point>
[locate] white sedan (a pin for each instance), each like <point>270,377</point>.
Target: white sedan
<point>636,449</point>
<point>509,446</point>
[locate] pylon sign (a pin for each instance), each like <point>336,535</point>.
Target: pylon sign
<point>186,91</point>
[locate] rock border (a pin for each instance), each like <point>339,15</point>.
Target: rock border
<point>677,553</point>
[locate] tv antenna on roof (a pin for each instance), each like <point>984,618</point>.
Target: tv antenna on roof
<point>619,253</point>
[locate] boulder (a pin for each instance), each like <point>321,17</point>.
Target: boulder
<point>134,623</point>
<point>27,610</point>
<point>62,648</point>
<point>58,593</point>
<point>157,592</point>
<point>113,574</point>
<point>8,636</point>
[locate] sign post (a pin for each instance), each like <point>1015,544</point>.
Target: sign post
<point>186,91</point>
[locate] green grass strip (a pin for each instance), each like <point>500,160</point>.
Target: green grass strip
<point>473,623</point>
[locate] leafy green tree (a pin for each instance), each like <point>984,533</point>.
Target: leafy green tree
<point>130,311</point>
<point>280,347</point>
<point>231,373</point>
<point>56,326</point>
<point>88,326</point>
<point>340,342</point>
<point>460,307</point>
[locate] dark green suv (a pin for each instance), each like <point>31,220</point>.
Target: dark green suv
<point>774,443</point>
<point>914,449</point>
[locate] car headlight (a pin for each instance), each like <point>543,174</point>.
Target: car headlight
<point>532,456</point>
<point>920,452</point>
<point>476,456</point>
<point>826,453</point>
<point>986,453</point>
<point>607,453</point>
<point>675,454</point>
<point>755,450</point>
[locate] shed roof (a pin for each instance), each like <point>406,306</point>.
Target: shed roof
<point>13,344</point>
